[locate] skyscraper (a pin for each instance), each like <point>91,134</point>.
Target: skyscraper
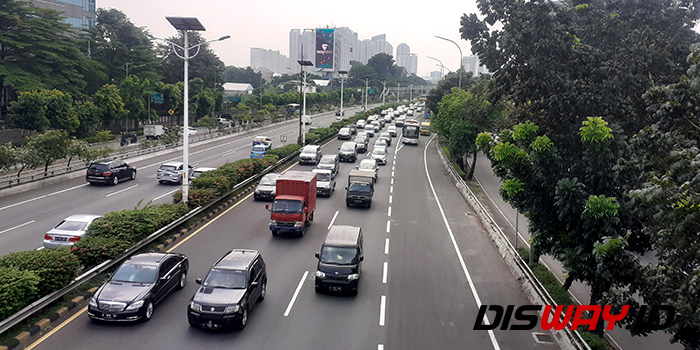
<point>78,13</point>
<point>406,59</point>
<point>270,59</point>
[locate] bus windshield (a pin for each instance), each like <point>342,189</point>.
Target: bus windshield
<point>410,131</point>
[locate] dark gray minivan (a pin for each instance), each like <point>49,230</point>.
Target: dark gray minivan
<point>340,260</point>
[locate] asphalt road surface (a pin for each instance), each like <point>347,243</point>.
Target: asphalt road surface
<point>428,264</point>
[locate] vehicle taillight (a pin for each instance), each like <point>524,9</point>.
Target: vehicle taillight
<point>46,236</point>
<point>74,239</point>
<point>107,173</point>
<point>87,172</point>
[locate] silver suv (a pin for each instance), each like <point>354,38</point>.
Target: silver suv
<point>172,172</point>
<point>310,154</point>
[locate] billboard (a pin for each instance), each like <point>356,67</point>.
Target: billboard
<point>324,48</point>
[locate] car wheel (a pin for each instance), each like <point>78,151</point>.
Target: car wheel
<point>115,180</point>
<point>148,311</point>
<point>183,280</point>
<point>318,289</point>
<point>274,232</point>
<point>180,182</point>
<point>369,205</point>
<point>244,319</point>
<point>263,291</point>
<point>133,175</point>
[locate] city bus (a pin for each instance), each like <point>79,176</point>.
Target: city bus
<point>411,131</point>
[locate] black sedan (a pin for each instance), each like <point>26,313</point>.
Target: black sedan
<point>137,286</point>
<point>110,172</point>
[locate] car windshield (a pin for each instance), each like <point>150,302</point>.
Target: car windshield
<point>71,225</point>
<point>327,160</point>
<point>339,256</point>
<point>196,174</point>
<point>308,151</point>
<point>380,142</point>
<point>286,206</point>
<point>344,130</point>
<point>229,279</point>
<point>385,134</point>
<point>259,149</point>
<point>369,127</point>
<point>360,139</point>
<point>323,177</point>
<point>268,181</point>
<point>135,273</point>
<point>379,151</point>
<point>359,187</point>
<point>167,168</point>
<point>347,147</point>
<point>99,167</point>
<point>367,166</point>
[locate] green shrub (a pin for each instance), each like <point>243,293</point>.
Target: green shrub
<point>196,197</point>
<point>312,138</point>
<point>133,225</point>
<point>595,342</point>
<point>54,267</point>
<point>551,284</point>
<point>93,250</point>
<point>219,183</point>
<point>17,289</point>
<point>285,151</point>
<point>271,159</point>
<point>524,253</point>
<point>104,136</point>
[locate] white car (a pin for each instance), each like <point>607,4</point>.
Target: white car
<point>172,172</point>
<point>198,171</point>
<point>371,166</point>
<point>69,230</point>
<point>379,155</point>
<point>392,130</point>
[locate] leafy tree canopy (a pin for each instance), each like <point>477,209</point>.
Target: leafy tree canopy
<point>206,65</point>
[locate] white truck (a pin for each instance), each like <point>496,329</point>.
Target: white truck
<point>153,132</point>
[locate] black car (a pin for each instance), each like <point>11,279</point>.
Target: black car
<point>352,127</point>
<point>233,285</point>
<point>137,286</point>
<point>348,152</point>
<point>340,260</point>
<point>110,172</point>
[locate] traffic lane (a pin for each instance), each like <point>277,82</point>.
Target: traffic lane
<point>242,227</point>
<point>47,212</point>
<point>352,322</point>
<point>494,282</point>
<point>429,302</point>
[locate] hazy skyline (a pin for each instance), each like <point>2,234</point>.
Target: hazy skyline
<point>266,24</point>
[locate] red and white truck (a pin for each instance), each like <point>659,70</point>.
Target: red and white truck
<point>295,203</point>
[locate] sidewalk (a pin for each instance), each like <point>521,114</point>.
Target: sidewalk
<point>486,189</point>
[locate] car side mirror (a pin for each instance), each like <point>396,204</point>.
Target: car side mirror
<point>198,281</point>
<point>317,255</point>
<point>254,284</point>
<point>339,148</point>
<point>346,188</point>
<point>109,275</point>
<point>267,207</point>
<point>362,257</point>
<point>357,167</point>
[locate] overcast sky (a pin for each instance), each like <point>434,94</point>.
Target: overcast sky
<point>266,23</point>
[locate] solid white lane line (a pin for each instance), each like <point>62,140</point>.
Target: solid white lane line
<point>386,247</point>
<point>120,191</point>
<point>333,220</point>
<point>165,194</point>
<point>18,226</point>
<point>296,293</point>
<point>390,199</point>
<point>388,226</point>
<point>382,311</point>
<point>386,271</point>
<point>40,197</point>
<point>391,189</point>
<point>494,342</point>
<point>389,214</point>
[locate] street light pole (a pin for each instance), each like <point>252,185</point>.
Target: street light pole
<point>366,92</point>
<point>184,24</point>
<point>398,92</point>
<point>343,74</point>
<point>302,125</point>
<point>383,91</point>
<point>460,58</point>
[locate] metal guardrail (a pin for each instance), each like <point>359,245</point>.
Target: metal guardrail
<point>574,336</point>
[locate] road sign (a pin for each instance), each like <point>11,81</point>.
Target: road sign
<point>235,99</point>
<point>370,91</point>
<point>171,112</point>
<point>283,138</point>
<point>157,99</point>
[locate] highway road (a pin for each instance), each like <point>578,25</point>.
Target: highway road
<point>25,217</point>
<point>428,265</point>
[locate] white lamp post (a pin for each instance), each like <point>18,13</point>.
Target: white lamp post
<point>343,75</point>
<point>184,24</point>
<point>303,63</point>
<point>460,58</point>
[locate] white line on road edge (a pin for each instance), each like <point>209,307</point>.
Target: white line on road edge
<point>120,191</point>
<point>382,311</point>
<point>40,248</point>
<point>296,293</point>
<point>391,189</point>
<point>388,226</point>
<point>333,220</point>
<point>18,226</point>
<point>165,194</point>
<point>390,199</point>
<point>386,247</point>
<point>494,342</point>
<point>386,272</point>
<point>44,196</point>
<point>389,211</point>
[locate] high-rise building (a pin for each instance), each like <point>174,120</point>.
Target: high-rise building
<point>472,64</point>
<point>298,39</point>
<point>368,48</point>
<point>406,59</point>
<point>272,60</point>
<point>78,13</point>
